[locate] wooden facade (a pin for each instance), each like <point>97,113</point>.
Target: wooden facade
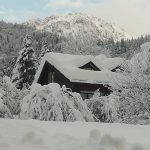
<point>50,74</point>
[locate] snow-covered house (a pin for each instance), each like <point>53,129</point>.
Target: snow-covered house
<point>82,74</point>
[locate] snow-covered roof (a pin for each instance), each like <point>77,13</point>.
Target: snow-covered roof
<point>69,65</point>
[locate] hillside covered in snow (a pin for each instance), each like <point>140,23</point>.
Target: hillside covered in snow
<point>78,24</point>
<point>79,32</point>
<point>71,33</point>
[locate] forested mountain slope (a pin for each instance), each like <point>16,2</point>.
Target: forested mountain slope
<point>72,33</point>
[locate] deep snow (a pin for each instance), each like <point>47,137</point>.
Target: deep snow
<point>40,135</point>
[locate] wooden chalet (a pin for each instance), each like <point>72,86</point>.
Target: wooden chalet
<point>82,74</point>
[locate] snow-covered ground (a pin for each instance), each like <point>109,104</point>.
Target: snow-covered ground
<point>40,135</point>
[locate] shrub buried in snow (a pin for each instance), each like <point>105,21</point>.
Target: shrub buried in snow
<point>104,108</point>
<point>4,111</point>
<point>134,90</point>
<point>50,102</point>
<point>11,96</point>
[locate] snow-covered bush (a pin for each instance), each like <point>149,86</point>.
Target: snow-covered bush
<point>134,90</point>
<point>12,96</point>
<point>50,102</point>
<point>104,108</point>
<point>4,111</point>
<point>134,106</point>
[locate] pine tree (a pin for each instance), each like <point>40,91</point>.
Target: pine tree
<point>44,49</point>
<point>26,65</point>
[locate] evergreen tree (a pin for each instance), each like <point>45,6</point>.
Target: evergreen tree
<point>44,49</point>
<point>122,46</point>
<point>25,67</point>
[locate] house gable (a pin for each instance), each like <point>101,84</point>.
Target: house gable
<point>117,69</point>
<point>90,66</point>
<point>50,74</point>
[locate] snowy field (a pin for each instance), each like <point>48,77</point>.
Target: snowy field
<point>40,135</point>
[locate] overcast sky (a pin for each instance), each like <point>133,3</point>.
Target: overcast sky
<point>132,15</point>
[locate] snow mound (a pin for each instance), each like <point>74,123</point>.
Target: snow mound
<point>37,135</point>
<point>32,138</point>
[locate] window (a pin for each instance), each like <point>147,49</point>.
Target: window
<point>51,77</point>
<point>86,95</point>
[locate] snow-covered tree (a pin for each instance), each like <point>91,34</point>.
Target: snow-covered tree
<point>12,96</point>
<point>26,65</point>
<point>45,49</point>
<point>134,89</point>
<point>104,108</point>
<point>4,111</point>
<point>51,102</point>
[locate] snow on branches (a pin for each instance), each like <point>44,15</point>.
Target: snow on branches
<point>50,102</point>
<point>4,111</point>
<point>45,49</point>
<point>11,96</point>
<point>134,90</point>
<point>26,65</point>
<point>104,108</point>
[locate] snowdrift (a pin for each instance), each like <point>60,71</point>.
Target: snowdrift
<point>41,135</point>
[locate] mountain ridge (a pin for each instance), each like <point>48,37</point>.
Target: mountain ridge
<point>72,22</point>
